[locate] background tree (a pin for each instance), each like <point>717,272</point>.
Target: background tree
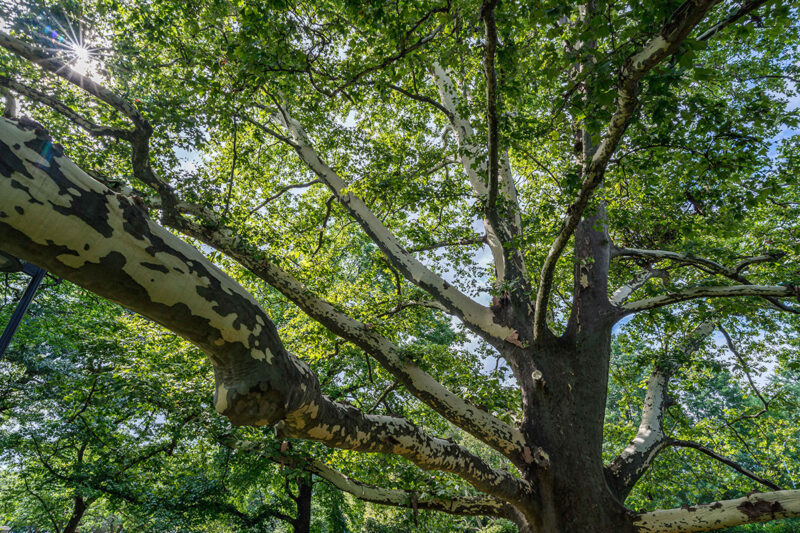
<point>346,155</point>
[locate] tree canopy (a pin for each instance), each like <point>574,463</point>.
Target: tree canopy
<point>421,230</point>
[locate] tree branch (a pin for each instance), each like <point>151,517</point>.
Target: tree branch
<point>759,507</point>
<point>456,505</point>
<point>745,9</point>
<point>725,291</point>
<point>467,241</point>
<point>484,426</point>
<point>666,43</point>
<point>63,109</point>
<point>475,316</point>
<point>48,61</point>
<point>509,261</point>
<point>490,26</point>
<point>708,266</point>
<point>115,251</point>
<point>625,470</point>
<point>724,460</point>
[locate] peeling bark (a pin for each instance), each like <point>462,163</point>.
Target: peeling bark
<point>56,216</point>
<point>758,507</point>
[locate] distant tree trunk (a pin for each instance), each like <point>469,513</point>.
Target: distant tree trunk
<point>302,524</point>
<point>78,509</point>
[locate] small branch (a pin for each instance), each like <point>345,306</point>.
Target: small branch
<point>745,367</point>
<point>708,266</point>
<point>281,191</point>
<point>233,170</point>
<point>10,110</point>
<point>622,294</point>
<point>383,395</point>
<point>747,8</point>
<point>724,460</point>
<point>467,241</point>
<point>65,110</point>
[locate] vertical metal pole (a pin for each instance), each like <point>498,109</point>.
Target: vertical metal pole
<point>22,306</point>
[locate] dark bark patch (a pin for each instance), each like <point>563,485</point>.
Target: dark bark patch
<point>760,508</point>
<point>9,162</point>
<point>19,210</point>
<point>157,267</point>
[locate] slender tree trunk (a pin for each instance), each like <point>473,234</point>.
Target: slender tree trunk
<point>78,509</point>
<point>302,524</point>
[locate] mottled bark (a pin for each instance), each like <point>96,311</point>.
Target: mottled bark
<point>54,215</point>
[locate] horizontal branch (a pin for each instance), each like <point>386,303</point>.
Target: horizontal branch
<point>456,505</point>
<point>725,291</point>
<point>467,241</point>
<point>724,460</point>
<point>706,265</point>
<point>758,507</point>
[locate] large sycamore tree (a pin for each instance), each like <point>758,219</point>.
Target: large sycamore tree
<point>536,173</point>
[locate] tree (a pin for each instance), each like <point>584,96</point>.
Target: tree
<point>633,141</point>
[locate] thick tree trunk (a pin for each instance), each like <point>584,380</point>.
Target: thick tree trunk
<point>567,406</point>
<point>302,524</point>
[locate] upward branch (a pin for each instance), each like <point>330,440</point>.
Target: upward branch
<point>666,43</point>
<point>487,14</point>
<point>475,316</point>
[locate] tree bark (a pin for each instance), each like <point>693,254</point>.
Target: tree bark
<point>78,510</point>
<point>302,522</point>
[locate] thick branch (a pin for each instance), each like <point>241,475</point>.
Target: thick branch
<point>509,261</point>
<point>724,460</point>
<point>56,216</point>
<point>483,425</point>
<point>624,471</point>
<point>759,507</point>
<point>692,293</point>
<point>666,43</point>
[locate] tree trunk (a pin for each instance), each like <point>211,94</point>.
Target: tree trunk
<point>566,402</point>
<point>78,510</point>
<point>302,524</point>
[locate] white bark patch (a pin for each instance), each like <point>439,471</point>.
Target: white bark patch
<point>88,245</point>
<point>757,507</point>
